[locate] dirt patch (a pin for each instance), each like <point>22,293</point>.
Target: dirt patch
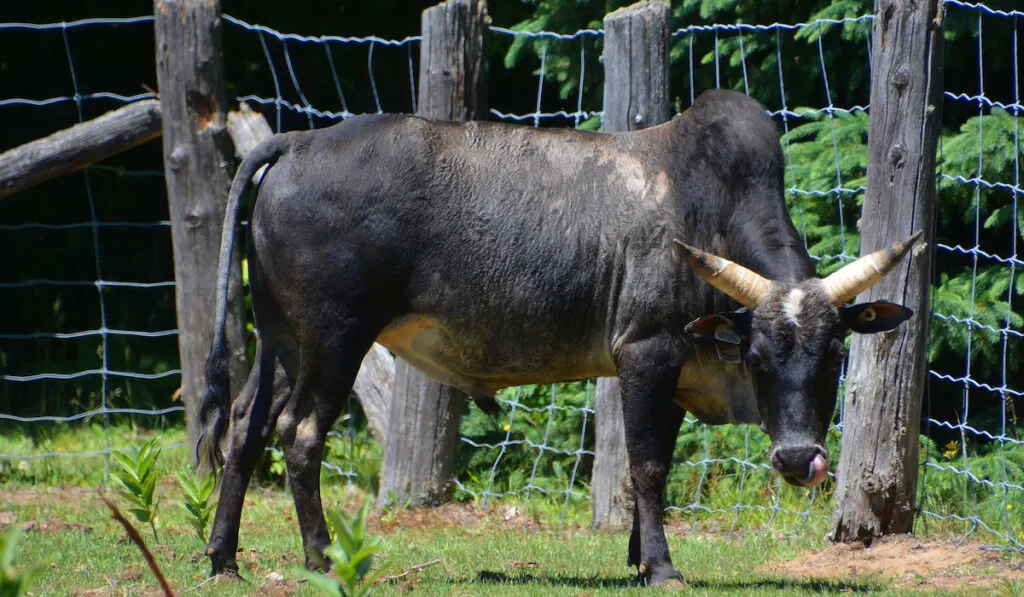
<point>447,515</point>
<point>910,562</point>
<point>54,525</point>
<point>275,585</point>
<point>70,496</point>
<point>114,590</point>
<point>90,592</point>
<point>453,515</point>
<point>131,574</point>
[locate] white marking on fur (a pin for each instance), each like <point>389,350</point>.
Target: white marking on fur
<point>306,430</point>
<point>793,304</point>
<point>631,172</point>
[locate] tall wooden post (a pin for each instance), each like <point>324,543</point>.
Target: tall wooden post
<point>197,170</point>
<point>879,463</point>
<point>636,74</point>
<point>423,431</point>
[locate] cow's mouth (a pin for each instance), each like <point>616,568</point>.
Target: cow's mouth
<point>817,471</point>
<point>805,472</point>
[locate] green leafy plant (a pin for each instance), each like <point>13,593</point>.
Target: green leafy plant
<point>946,490</point>
<point>393,506</point>
<point>197,500</point>
<point>13,581</point>
<point>351,554</point>
<point>137,477</point>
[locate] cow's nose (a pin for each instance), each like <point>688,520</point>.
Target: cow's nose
<point>792,461</point>
<point>800,465</point>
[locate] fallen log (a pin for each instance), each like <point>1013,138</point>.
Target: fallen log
<point>79,146</point>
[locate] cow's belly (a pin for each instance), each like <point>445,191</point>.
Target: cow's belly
<point>469,365</point>
<point>715,391</point>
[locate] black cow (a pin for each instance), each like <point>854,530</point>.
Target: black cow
<point>490,255</point>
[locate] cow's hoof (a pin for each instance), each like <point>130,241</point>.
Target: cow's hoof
<point>226,572</point>
<point>664,576</point>
<point>221,566</point>
<point>318,564</point>
<point>672,584</point>
<point>229,574</point>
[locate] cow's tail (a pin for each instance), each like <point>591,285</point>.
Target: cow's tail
<point>213,411</point>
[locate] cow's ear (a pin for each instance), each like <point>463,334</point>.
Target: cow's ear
<point>724,327</point>
<point>871,318</point>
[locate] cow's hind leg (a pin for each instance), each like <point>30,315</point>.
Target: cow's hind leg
<point>318,398</point>
<point>252,419</point>
<point>649,371</point>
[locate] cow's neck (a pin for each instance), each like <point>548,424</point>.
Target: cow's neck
<point>717,390</point>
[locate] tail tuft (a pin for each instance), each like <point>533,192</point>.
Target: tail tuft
<point>213,412</point>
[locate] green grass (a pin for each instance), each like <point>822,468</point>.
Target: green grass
<point>63,441</point>
<point>480,552</point>
<point>486,557</point>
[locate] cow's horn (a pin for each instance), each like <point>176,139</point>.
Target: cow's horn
<point>856,277</point>
<point>746,286</point>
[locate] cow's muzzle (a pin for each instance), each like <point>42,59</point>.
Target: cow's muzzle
<point>801,465</point>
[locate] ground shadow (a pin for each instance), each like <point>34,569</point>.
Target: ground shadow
<point>781,584</point>
<point>585,582</point>
<point>594,582</point>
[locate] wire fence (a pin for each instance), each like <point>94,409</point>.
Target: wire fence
<point>972,454</point>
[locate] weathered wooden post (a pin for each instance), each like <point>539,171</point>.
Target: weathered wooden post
<point>636,74</point>
<point>878,467</point>
<point>423,431</point>
<point>197,169</point>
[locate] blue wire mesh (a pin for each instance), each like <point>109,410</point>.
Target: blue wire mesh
<point>979,494</point>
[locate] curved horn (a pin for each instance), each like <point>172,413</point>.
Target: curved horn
<point>740,283</point>
<point>854,278</point>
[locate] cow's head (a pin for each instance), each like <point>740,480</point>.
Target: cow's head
<point>792,334</point>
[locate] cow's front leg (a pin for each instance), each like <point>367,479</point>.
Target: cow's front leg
<point>668,443</point>
<point>649,371</point>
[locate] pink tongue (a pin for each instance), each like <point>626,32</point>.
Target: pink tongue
<point>817,471</point>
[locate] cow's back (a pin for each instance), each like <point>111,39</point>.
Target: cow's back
<point>500,244</point>
<point>505,252</point>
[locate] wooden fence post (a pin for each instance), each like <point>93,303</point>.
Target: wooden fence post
<point>878,467</point>
<point>423,432</point>
<point>197,170</point>
<point>636,74</point>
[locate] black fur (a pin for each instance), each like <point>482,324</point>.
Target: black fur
<point>528,256</point>
<point>213,410</point>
